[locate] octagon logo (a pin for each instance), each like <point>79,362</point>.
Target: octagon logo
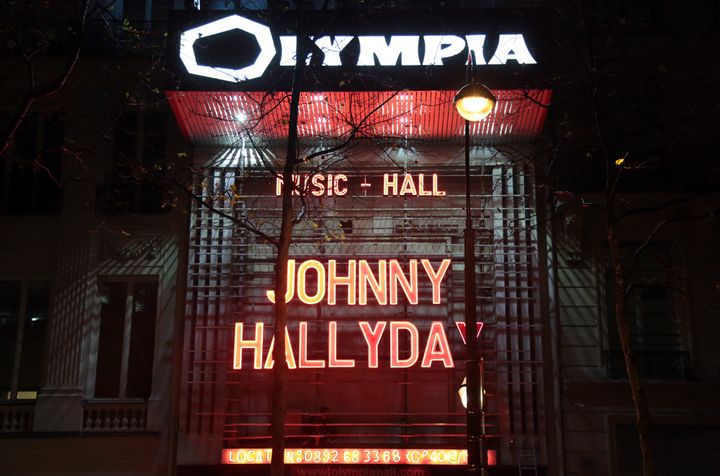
<point>262,35</point>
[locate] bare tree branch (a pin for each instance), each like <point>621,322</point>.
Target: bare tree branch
<point>36,93</point>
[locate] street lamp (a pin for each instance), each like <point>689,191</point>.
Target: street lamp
<point>473,102</point>
<point>462,392</point>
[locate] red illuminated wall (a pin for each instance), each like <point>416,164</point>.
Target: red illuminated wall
<point>373,403</point>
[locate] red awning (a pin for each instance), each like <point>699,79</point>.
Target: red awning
<point>209,118</point>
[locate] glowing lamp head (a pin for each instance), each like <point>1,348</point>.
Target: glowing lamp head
<point>462,391</point>
<point>474,102</point>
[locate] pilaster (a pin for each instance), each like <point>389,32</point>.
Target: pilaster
<point>59,406</point>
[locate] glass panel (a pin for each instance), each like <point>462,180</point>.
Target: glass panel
<point>24,186</point>
<point>9,310</point>
<point>153,161</point>
<point>649,310</point>
<point>649,307</point>
<point>46,193</point>
<point>126,136</point>
<point>21,170</point>
<point>142,340</point>
<point>134,10</point>
<point>34,336</point>
<point>138,160</point>
<point>110,344</point>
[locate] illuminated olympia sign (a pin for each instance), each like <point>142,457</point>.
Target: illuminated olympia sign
<point>374,50</point>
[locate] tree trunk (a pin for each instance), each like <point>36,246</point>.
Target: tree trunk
<point>277,424</point>
<point>642,415</point>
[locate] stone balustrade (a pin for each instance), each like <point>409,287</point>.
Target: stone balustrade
<point>101,416</point>
<point>17,418</point>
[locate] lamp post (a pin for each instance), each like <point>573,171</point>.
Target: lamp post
<point>473,102</point>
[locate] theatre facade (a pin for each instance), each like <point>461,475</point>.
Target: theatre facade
<point>375,342</point>
<point>140,206</point>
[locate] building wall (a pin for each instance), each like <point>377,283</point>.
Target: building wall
<point>69,431</point>
<point>597,412</point>
<point>65,428</point>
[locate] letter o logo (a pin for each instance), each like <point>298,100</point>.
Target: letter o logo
<point>261,33</point>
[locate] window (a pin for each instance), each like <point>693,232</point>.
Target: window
<point>137,10</point>
<point>134,179</point>
<point>29,180</point>
<point>127,338</point>
<point>650,311</point>
<point>23,319</point>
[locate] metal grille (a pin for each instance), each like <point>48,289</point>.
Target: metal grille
<point>231,268</point>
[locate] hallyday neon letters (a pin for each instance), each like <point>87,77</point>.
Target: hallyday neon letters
<point>437,348</point>
<point>374,50</point>
<point>360,281</point>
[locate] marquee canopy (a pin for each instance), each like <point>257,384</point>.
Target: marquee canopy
<point>226,118</point>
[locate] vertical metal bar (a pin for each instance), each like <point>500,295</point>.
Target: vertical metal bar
<point>474,441</point>
<point>482,398</point>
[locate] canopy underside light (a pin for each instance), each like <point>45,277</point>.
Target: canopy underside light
<point>226,118</point>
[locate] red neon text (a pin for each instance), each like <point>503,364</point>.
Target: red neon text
<point>361,281</point>
<point>461,328</point>
<point>316,184</point>
<point>414,456</point>
<point>436,349</point>
<point>395,186</point>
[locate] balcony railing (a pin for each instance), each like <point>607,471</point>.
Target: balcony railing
<point>16,418</point>
<point>114,416</point>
